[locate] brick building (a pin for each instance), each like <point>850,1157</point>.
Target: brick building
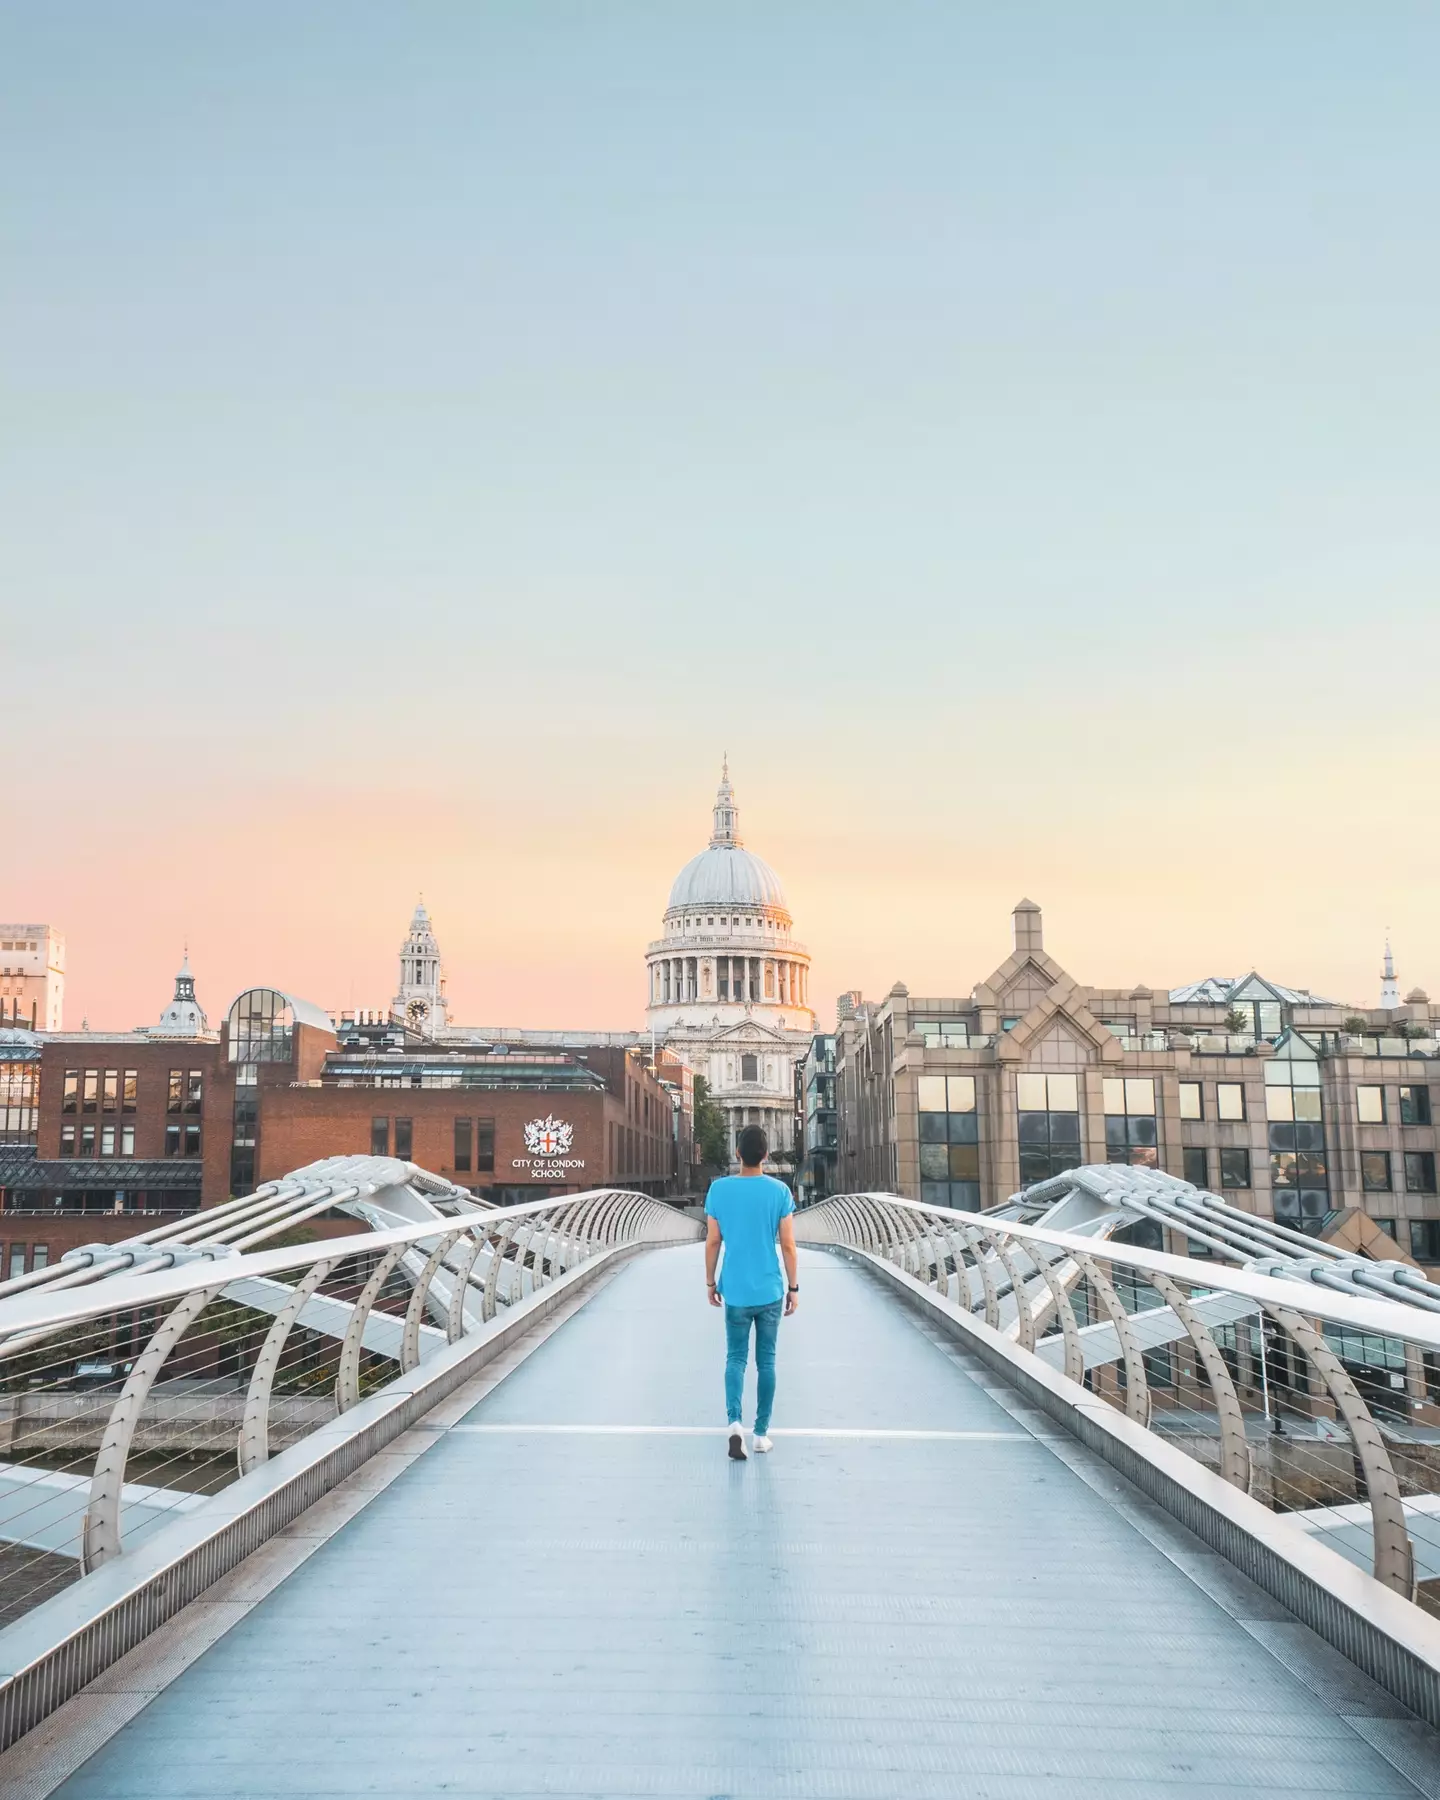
<point>104,1133</point>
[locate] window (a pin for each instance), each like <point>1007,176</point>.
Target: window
<point>1388,1227</point>
<point>1420,1171</point>
<point>194,1090</point>
<point>1414,1106</point>
<point>40,1257</point>
<point>1192,1100</point>
<point>943,1034</point>
<point>1197,1165</point>
<point>87,1140</point>
<point>1299,1180</point>
<point>1375,1171</point>
<point>71,1101</point>
<point>1130,1134</point>
<point>111,1100</point>
<point>172,1140</point>
<point>1049,1126</point>
<point>484,1146</point>
<point>192,1140</point>
<point>464,1138</point>
<point>129,1090</point>
<point>107,1140</point>
<point>247,1117</point>
<point>67,1140</point>
<point>1370,1105</point>
<point>1234,1168</point>
<point>91,1091</point>
<point>1425,1240</point>
<point>176,1096</point>
<point>242,1169</point>
<point>749,1068</point>
<point>127,1140</point>
<point>1229,1100</point>
<point>404,1138</point>
<point>380,1137</point>
<point>17,1260</point>
<point>949,1142</point>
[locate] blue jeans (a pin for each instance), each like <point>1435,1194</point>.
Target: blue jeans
<point>738,1320</point>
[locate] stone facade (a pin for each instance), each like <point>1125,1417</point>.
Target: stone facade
<point>729,985</point>
<point>32,977</point>
<point>1287,1104</point>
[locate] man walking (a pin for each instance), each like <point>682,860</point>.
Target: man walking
<point>747,1214</point>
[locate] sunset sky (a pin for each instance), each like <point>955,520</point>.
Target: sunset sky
<point>433,434</point>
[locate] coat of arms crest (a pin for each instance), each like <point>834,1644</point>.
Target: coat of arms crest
<point>548,1136</point>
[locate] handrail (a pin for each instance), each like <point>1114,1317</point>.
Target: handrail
<point>1420,1325</point>
<point>1027,1279</point>
<point>128,1287</point>
<point>179,1359</point>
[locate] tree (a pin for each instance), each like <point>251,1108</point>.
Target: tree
<point>712,1136</point>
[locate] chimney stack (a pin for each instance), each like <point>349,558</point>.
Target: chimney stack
<point>1029,938</point>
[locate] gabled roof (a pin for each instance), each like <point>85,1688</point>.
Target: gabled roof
<point>1222,990</point>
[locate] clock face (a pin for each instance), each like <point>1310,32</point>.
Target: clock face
<point>416,1013</point>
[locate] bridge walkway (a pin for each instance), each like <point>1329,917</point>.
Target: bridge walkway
<point>923,1592</point>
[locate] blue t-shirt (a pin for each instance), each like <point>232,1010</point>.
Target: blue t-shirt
<point>749,1209</point>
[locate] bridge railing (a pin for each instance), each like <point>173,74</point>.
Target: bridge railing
<point>1323,1406</point>
<point>138,1381</point>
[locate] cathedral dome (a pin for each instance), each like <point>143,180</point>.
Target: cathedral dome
<point>725,873</point>
<point>721,876</point>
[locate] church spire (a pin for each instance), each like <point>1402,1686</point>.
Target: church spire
<point>1389,986</point>
<point>727,817</point>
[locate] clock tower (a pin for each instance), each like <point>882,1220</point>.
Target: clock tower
<point>420,1002</point>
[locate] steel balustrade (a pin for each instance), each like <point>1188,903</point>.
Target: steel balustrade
<point>1024,1280</point>
<point>493,1258</point>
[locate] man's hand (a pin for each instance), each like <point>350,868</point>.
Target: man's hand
<point>792,1304</point>
<point>715,1299</point>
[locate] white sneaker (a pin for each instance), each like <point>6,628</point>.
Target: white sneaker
<point>761,1444</point>
<point>737,1441</point>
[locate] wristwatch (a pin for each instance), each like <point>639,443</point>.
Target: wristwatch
<point>794,1290</point>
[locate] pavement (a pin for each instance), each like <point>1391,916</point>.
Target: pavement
<point>925,1591</point>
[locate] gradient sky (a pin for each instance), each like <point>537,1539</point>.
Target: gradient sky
<point>433,433</point>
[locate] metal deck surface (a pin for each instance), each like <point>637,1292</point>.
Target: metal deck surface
<point>574,1594</point>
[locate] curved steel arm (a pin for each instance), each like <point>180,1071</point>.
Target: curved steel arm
<point>1234,1450</point>
<point>1394,1555</point>
<point>414,1312</point>
<point>1024,1318</point>
<point>102,1516</point>
<point>254,1444</point>
<point>347,1378</point>
<point>1137,1385</point>
<point>983,1262</point>
<point>461,1272</point>
<point>1074,1355</point>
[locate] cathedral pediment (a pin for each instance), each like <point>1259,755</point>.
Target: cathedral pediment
<point>748,1031</point>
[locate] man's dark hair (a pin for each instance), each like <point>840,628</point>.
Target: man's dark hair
<point>753,1146</point>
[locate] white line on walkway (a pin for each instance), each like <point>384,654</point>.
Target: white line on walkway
<point>809,1431</point>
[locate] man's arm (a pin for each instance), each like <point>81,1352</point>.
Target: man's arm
<point>712,1257</point>
<point>787,1251</point>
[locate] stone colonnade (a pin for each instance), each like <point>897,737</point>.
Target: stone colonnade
<point>759,980</point>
